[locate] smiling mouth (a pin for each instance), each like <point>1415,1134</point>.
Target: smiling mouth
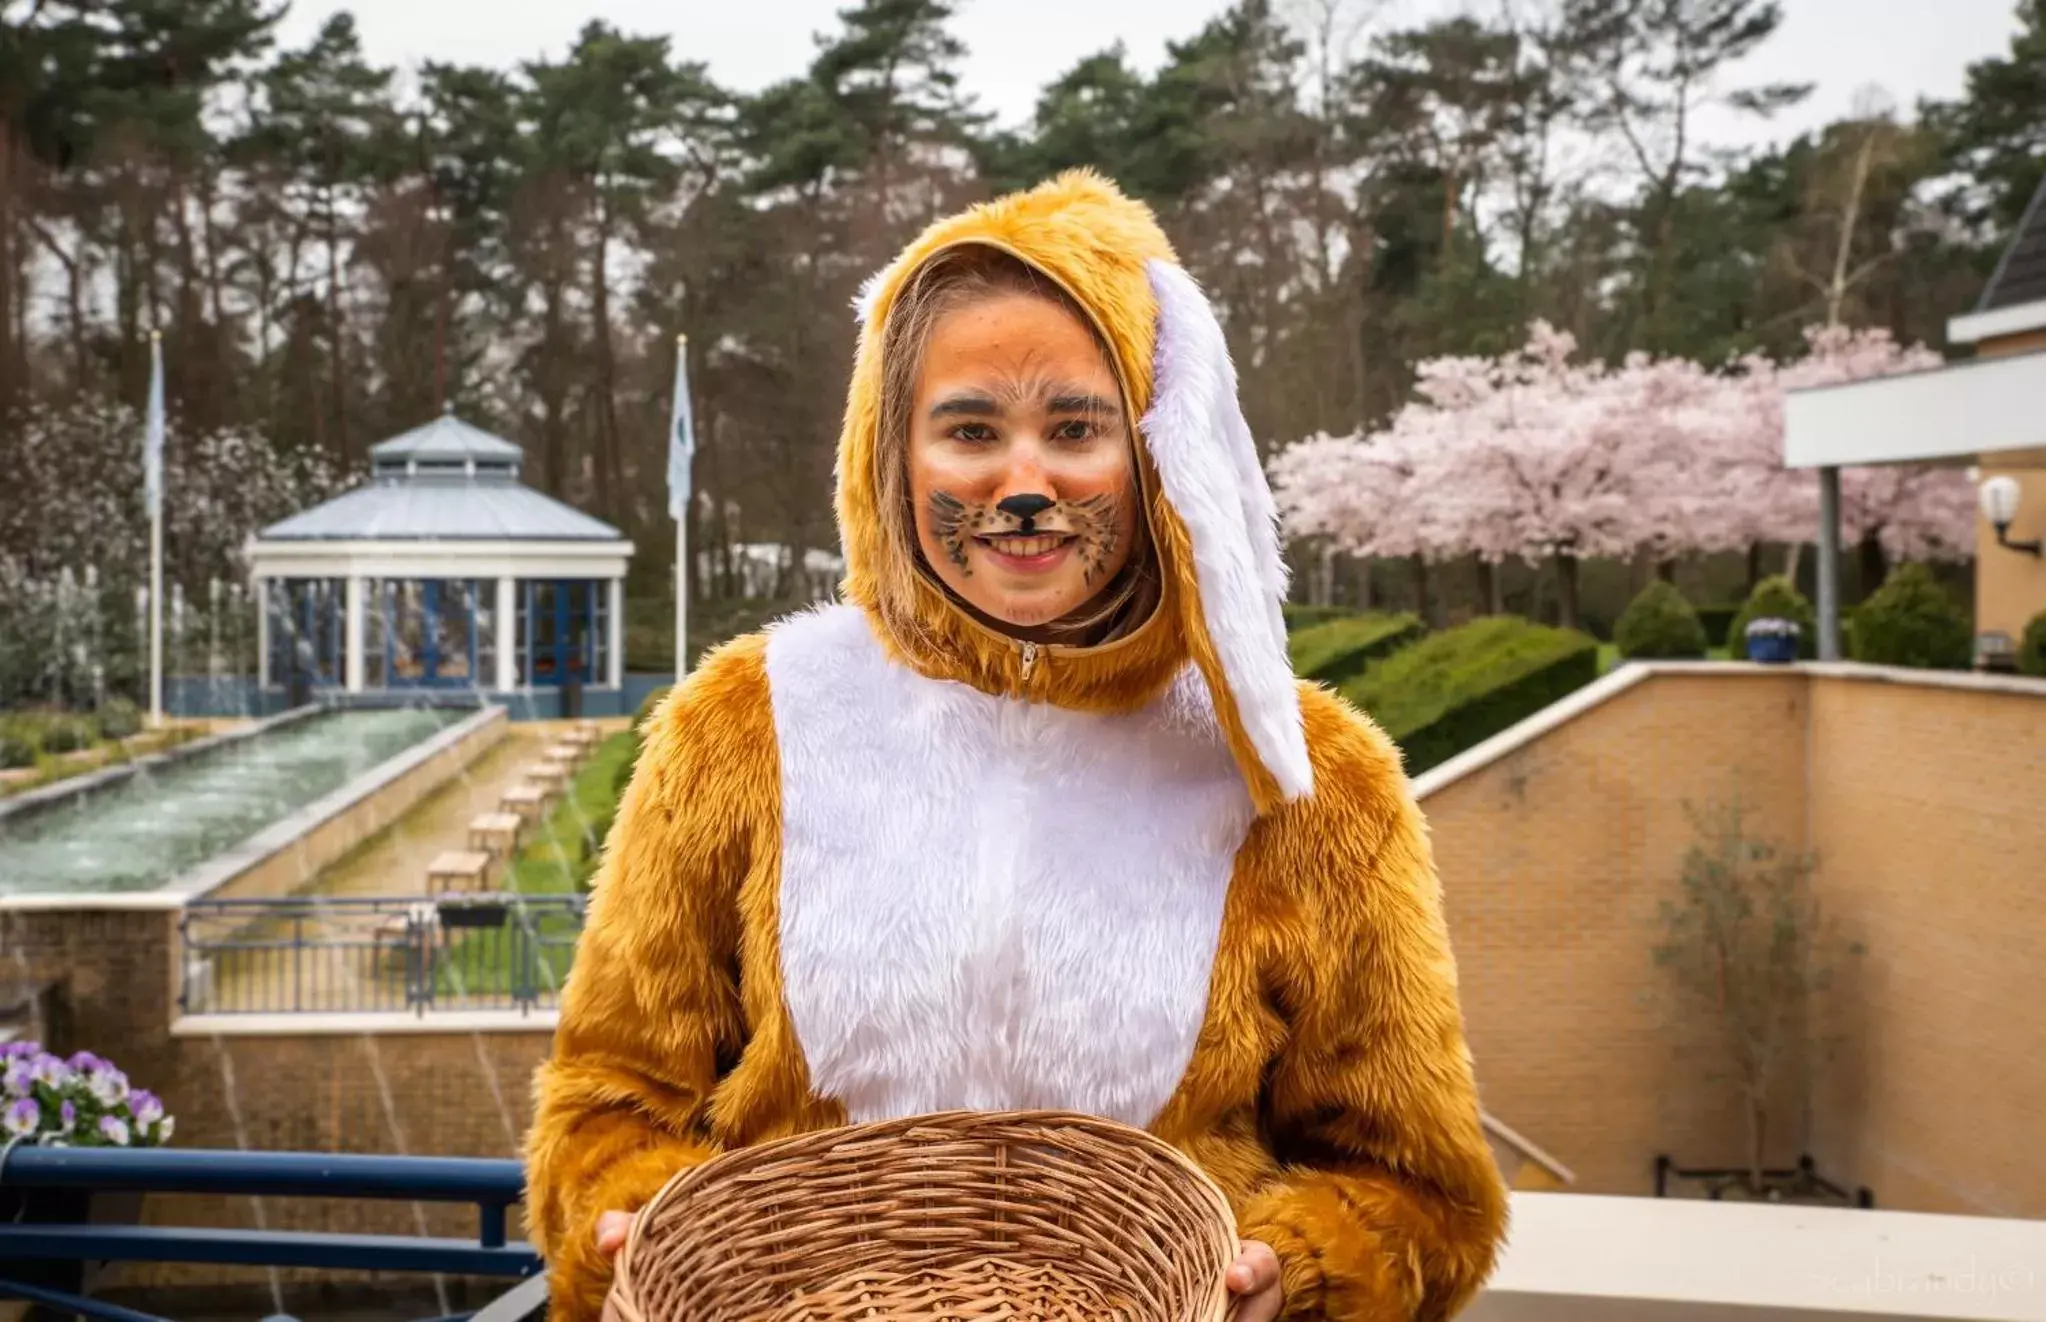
<point>1025,548</point>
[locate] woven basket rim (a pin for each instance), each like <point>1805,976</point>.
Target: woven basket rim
<point>1200,1183</point>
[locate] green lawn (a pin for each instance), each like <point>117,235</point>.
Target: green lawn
<point>534,948</point>
<point>564,851</point>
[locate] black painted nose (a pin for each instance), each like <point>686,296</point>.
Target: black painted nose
<point>1026,506</point>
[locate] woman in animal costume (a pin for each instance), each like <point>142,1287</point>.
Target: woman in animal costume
<point>1039,817</point>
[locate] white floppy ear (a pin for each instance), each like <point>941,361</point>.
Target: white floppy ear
<point>870,293</point>
<point>1207,463</point>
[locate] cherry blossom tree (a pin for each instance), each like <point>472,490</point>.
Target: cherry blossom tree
<point>1538,456</point>
<point>1529,455</point>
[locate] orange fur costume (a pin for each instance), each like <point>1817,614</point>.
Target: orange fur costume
<point>726,993</point>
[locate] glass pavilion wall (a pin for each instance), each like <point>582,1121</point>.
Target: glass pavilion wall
<point>441,632</point>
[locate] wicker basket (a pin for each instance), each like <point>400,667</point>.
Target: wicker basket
<point>963,1215</point>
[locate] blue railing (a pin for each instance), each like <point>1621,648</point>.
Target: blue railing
<point>348,954</point>
<point>490,1186</point>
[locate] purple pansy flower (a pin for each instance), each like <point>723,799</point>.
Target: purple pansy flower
<point>145,1106</point>
<point>18,1075</point>
<point>67,1118</point>
<point>23,1117</point>
<point>49,1071</point>
<point>84,1062</point>
<point>114,1130</point>
<point>108,1086</point>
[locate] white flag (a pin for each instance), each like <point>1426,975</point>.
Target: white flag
<point>681,435</point>
<point>152,435</point>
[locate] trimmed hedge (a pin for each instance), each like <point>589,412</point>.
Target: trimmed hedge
<point>1774,596</point>
<point>2032,650</point>
<point>1659,624</point>
<point>1456,689</point>
<point>1911,621</point>
<point>1301,616</point>
<point>1341,649</point>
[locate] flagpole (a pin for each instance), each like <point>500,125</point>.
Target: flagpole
<point>156,548</point>
<point>681,528</point>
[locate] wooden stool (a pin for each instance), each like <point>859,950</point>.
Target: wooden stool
<point>495,833</point>
<point>458,870</point>
<point>551,777</point>
<point>564,751</point>
<point>524,801</point>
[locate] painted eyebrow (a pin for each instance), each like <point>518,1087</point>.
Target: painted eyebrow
<point>1083,404</point>
<point>965,406</point>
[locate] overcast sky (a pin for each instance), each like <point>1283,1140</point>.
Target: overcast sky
<point>1908,48</point>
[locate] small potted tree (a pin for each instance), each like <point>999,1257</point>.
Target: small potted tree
<point>1778,601</point>
<point>82,1102</point>
<point>1772,639</point>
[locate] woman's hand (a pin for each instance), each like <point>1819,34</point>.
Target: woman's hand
<point>1254,1279</point>
<point>612,1227</point>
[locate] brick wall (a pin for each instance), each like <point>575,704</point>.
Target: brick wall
<point>2010,586</point>
<point>1929,810</point>
<point>1555,861</point>
<point>1922,805</point>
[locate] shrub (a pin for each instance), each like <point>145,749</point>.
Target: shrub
<point>2032,650</point>
<point>1659,623</point>
<point>1775,596</point>
<point>16,749</point>
<point>119,719</point>
<point>1340,649</point>
<point>1716,620</point>
<point>1911,621</point>
<point>66,734</point>
<point>1453,690</point>
<point>1299,616</point>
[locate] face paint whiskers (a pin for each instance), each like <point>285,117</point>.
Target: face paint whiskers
<point>1088,523</point>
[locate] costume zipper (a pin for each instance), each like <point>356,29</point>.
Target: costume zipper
<point>1029,660</point>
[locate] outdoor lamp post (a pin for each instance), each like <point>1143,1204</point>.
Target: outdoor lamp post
<point>1999,497</point>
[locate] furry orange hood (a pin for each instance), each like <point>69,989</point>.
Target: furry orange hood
<point>1210,511</point>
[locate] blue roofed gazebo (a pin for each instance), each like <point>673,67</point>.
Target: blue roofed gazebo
<point>443,571</point>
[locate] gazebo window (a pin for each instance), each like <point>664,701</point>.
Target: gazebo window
<point>430,634</point>
<point>562,624</point>
<point>307,630</point>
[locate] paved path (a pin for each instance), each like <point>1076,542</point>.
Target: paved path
<point>393,862</point>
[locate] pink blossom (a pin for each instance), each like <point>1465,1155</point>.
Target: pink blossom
<point>1534,454</point>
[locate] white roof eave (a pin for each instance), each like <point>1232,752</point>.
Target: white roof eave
<point>1951,414</point>
<point>478,558</point>
<point>1974,327</point>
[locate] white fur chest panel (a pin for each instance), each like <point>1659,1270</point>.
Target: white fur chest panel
<point>989,904</point>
